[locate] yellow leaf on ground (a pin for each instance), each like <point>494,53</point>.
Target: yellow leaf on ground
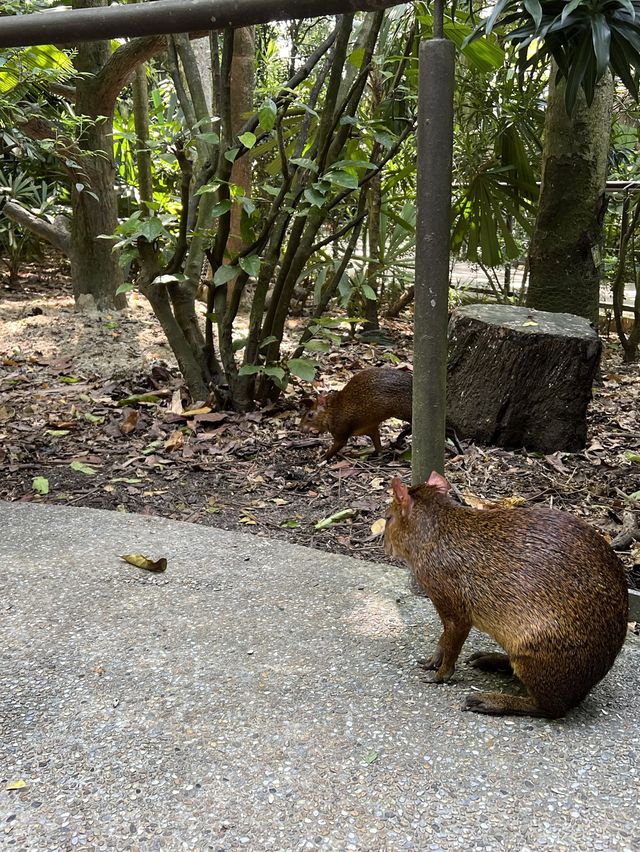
<point>145,563</point>
<point>377,527</point>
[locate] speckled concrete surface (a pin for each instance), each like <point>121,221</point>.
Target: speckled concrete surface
<point>262,696</point>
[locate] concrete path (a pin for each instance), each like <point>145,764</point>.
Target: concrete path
<point>262,696</point>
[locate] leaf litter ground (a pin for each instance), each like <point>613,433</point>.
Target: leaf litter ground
<point>71,434</point>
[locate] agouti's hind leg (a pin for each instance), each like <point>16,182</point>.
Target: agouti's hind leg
<point>554,684</point>
<point>491,662</point>
<point>502,704</point>
<point>374,434</point>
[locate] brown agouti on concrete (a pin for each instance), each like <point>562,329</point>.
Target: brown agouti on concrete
<point>542,583</point>
<point>367,399</point>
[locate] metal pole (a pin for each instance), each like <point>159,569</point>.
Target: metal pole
<point>165,16</point>
<point>433,225</point>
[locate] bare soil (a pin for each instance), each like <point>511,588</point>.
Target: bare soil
<point>65,427</point>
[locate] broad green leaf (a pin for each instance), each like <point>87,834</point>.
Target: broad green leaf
<point>151,229</point>
<point>384,138</point>
<point>314,197</point>
<point>250,265</point>
<point>250,369</point>
<point>342,178</point>
<point>267,114</point>
<point>248,139</point>
<point>275,372</point>
<point>484,53</point>
<point>302,368</point>
<point>231,154</point>
<point>83,468</point>
<point>304,163</point>
<point>224,273</point>
<point>354,164</point>
<point>315,345</point>
<point>369,293</point>
<point>124,288</point>
<point>221,208</point>
<point>40,485</point>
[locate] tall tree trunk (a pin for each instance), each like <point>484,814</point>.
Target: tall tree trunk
<point>95,272</point>
<point>564,258</point>
<point>140,92</point>
<point>243,82</point>
<point>374,266</point>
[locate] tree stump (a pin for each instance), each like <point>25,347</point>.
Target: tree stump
<point>517,377</point>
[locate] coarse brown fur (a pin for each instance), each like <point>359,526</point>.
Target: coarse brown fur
<point>542,583</point>
<point>369,397</point>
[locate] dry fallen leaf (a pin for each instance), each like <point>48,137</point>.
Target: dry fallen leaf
<point>176,402</point>
<point>175,441</point>
<point>509,502</point>
<point>377,527</point>
<point>130,422</point>
<point>477,502</point>
<point>555,460</point>
<point>16,785</point>
<point>192,412</point>
<point>145,563</point>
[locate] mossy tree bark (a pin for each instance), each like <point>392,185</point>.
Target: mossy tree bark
<point>564,253</point>
<point>243,83</point>
<point>94,266</point>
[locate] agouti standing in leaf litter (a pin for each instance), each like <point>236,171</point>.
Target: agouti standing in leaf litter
<point>540,582</point>
<point>369,397</point>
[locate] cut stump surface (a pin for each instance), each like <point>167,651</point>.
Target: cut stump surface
<point>520,378</point>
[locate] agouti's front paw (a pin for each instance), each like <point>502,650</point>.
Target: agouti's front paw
<point>436,676</point>
<point>432,662</point>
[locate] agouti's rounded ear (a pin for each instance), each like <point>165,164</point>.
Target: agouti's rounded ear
<point>401,493</point>
<point>438,481</point>
<point>307,402</point>
<point>322,400</point>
